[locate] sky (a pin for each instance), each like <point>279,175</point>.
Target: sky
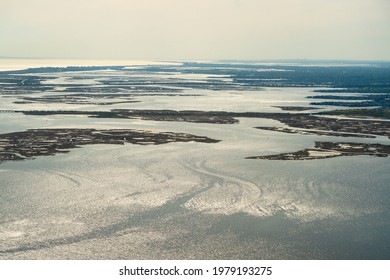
<point>196,29</point>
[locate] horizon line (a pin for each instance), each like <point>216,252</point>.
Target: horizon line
<point>205,59</point>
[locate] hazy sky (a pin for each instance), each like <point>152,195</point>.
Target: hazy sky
<point>196,29</point>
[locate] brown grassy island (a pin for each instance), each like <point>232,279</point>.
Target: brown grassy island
<point>324,150</point>
<point>43,142</point>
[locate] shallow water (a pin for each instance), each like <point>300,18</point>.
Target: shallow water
<point>192,200</point>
